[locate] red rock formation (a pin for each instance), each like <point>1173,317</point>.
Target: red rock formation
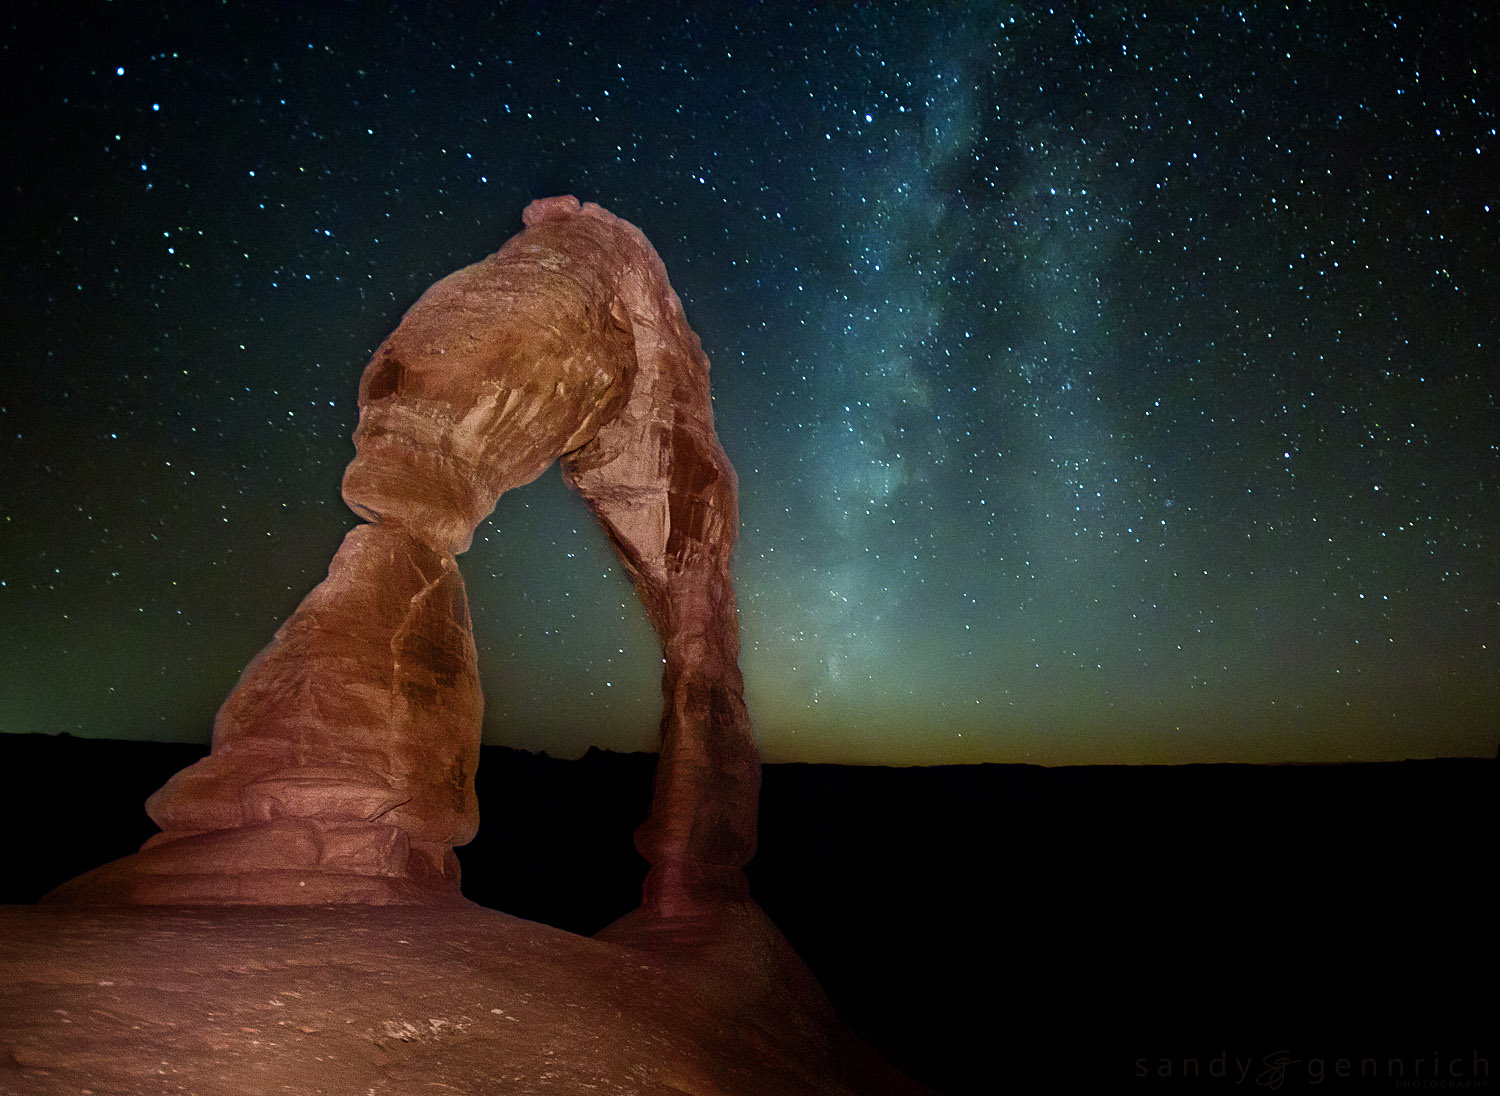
<point>343,762</point>
<point>351,1000</point>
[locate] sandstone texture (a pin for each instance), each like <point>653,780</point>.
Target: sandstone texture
<point>341,775</point>
<point>352,1001</point>
<point>343,762</point>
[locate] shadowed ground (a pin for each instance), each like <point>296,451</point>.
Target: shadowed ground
<point>1088,918</point>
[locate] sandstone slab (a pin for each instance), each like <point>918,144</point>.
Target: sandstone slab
<point>353,1000</point>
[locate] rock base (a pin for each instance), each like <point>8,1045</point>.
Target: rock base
<point>286,862</point>
<point>384,1002</point>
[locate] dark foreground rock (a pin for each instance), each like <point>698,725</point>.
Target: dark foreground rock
<point>1000,927</point>
<point>367,1001</point>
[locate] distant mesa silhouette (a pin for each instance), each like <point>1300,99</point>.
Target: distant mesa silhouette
<point>342,767</point>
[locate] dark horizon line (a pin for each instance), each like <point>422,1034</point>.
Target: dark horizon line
<point>592,749</point>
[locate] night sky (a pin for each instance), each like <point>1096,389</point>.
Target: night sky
<point>1106,383</point>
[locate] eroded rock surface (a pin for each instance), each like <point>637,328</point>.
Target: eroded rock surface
<point>343,762</point>
<point>342,768</point>
<point>354,1000</point>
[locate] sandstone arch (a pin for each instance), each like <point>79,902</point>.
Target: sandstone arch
<point>342,768</point>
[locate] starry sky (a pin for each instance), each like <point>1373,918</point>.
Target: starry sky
<point>1106,383</point>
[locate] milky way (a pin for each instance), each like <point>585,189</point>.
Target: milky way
<point>1105,383</point>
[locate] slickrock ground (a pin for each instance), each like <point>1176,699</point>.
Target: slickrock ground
<point>370,1001</point>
